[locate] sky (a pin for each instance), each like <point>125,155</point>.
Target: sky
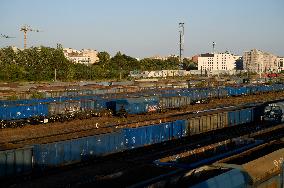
<point>144,28</point>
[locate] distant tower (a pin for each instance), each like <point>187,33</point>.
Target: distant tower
<point>213,44</point>
<point>181,41</point>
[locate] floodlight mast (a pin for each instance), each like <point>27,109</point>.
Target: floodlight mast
<point>181,40</point>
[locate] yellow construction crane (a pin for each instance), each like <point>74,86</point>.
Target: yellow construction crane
<point>25,29</point>
<point>6,36</point>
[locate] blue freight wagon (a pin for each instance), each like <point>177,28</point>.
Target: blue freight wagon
<point>76,150</point>
<point>23,111</point>
<point>46,110</point>
<point>147,135</point>
<point>242,116</point>
<point>138,105</point>
<point>152,134</point>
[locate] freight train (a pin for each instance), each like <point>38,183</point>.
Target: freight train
<point>41,156</point>
<point>21,112</point>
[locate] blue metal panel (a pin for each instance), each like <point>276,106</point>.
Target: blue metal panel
<point>76,149</point>
<point>243,116</point>
<point>237,117</point>
<point>231,118</point>
<point>41,155</point>
<point>135,137</point>
<point>116,142</point>
<point>101,147</point>
<point>179,128</point>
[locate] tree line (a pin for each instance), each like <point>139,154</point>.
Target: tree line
<point>39,64</point>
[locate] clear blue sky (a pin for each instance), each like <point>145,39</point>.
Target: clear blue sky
<point>142,28</point>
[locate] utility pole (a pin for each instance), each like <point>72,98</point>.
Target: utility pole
<point>55,74</point>
<point>181,40</point>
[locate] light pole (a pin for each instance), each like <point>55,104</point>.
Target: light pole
<point>181,40</point>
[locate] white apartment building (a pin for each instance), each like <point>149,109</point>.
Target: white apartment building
<point>259,61</point>
<point>84,56</point>
<point>217,61</point>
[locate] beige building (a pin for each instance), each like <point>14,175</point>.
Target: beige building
<point>217,61</point>
<point>259,61</point>
<point>280,63</point>
<point>84,56</point>
<point>158,57</point>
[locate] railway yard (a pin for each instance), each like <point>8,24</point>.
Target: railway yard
<point>121,136</point>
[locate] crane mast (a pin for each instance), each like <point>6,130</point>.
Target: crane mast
<point>25,29</point>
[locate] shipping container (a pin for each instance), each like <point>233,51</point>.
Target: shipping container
<point>15,162</point>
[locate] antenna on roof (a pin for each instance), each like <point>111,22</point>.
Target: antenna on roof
<point>213,44</point>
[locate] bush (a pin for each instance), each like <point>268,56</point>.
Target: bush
<point>37,95</point>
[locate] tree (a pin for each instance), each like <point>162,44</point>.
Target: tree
<point>189,64</point>
<point>104,57</point>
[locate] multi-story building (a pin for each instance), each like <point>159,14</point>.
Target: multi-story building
<point>217,61</point>
<point>84,56</point>
<point>195,58</point>
<point>259,61</point>
<point>162,57</point>
<point>158,57</point>
<point>280,64</point>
